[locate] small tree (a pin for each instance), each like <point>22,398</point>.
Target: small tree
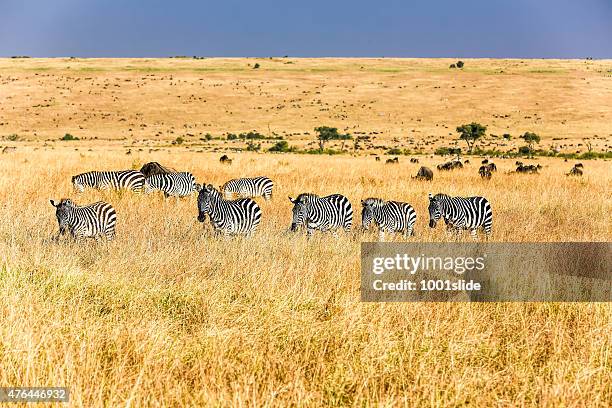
<point>531,139</point>
<point>471,133</point>
<point>329,133</point>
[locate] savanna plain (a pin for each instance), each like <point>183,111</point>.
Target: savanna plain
<point>169,314</point>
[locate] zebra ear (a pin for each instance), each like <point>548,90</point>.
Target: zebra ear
<point>292,200</point>
<point>362,202</point>
<point>53,203</point>
<point>430,196</point>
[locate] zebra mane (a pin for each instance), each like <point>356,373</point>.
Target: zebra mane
<point>441,195</point>
<point>373,201</point>
<point>305,197</point>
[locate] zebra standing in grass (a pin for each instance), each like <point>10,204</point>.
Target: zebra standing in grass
<point>230,217</point>
<point>461,213</point>
<point>89,221</point>
<point>248,187</point>
<point>389,216</point>
<point>321,213</point>
<point>172,184</point>
<point>127,179</point>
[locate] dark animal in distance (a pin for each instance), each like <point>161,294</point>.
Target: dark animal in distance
<point>377,158</point>
<point>424,173</point>
<point>395,160</point>
<point>575,171</point>
<point>152,168</point>
<point>414,160</point>
<point>451,165</point>
<point>225,160</point>
<point>485,161</point>
<point>579,165</point>
<point>531,169</point>
<point>485,172</point>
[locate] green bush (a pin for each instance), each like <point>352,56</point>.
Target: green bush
<point>282,147</point>
<point>252,147</point>
<point>232,136</point>
<point>69,137</point>
<point>444,151</point>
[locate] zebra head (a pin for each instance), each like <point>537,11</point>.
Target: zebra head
<point>300,208</point>
<point>78,182</point>
<point>367,212</point>
<point>205,197</point>
<point>63,209</point>
<point>435,210</point>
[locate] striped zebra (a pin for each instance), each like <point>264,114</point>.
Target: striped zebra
<point>230,217</point>
<point>89,221</point>
<point>461,213</point>
<point>248,187</point>
<point>389,216</point>
<point>117,180</point>
<point>321,213</point>
<point>172,184</point>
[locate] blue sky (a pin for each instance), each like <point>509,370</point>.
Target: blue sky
<point>312,28</point>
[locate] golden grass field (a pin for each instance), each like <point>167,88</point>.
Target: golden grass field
<point>170,315</point>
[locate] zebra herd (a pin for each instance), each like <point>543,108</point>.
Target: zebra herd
<point>241,216</point>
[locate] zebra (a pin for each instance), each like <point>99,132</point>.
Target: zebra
<point>172,184</point>
<point>321,213</point>
<point>89,221</point>
<point>127,179</point>
<point>248,187</point>
<point>230,217</point>
<point>461,213</point>
<point>391,216</point>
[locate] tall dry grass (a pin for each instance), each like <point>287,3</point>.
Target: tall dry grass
<point>170,315</point>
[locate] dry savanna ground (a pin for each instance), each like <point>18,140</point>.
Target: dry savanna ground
<point>170,315</point>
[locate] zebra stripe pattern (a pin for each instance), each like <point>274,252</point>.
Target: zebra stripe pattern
<point>321,213</point>
<point>230,217</point>
<point>172,184</point>
<point>88,221</point>
<point>388,216</point>
<point>249,187</point>
<point>461,213</point>
<point>116,180</point>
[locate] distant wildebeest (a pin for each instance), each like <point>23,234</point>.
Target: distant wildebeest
<point>152,168</point>
<point>451,165</point>
<point>485,172</point>
<point>491,167</point>
<point>424,173</point>
<point>414,160</point>
<point>579,165</point>
<point>395,160</point>
<point>377,158</point>
<point>485,161</point>
<point>89,221</point>
<point>575,171</point>
<point>519,163</point>
<point>225,160</point>
<point>466,162</point>
<point>527,169</point>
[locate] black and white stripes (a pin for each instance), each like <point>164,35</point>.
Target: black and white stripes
<point>461,213</point>
<point>172,184</point>
<point>229,217</point>
<point>90,221</point>
<point>116,180</point>
<point>321,213</point>
<point>248,187</point>
<point>388,216</point>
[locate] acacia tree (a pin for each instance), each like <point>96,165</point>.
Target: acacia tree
<point>329,133</point>
<point>531,139</point>
<point>471,133</point>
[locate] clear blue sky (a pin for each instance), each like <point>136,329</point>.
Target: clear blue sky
<point>307,28</point>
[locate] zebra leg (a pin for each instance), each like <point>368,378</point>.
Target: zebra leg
<point>381,235</point>
<point>409,232</point>
<point>474,233</point>
<point>309,232</point>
